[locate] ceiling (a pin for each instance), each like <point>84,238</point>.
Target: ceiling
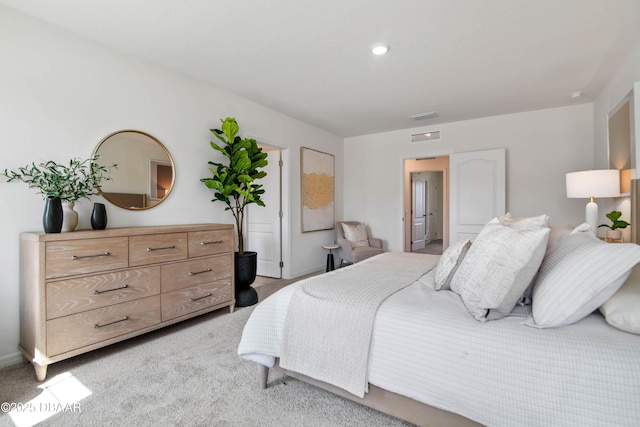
<point>310,59</point>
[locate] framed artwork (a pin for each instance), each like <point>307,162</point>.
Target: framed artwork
<point>317,185</point>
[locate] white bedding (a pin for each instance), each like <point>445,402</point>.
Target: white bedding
<point>427,346</point>
<point>334,311</point>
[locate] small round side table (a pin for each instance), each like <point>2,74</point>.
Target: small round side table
<point>330,264</point>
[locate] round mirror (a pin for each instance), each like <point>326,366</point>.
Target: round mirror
<point>145,173</point>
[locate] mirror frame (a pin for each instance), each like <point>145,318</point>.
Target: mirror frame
<point>170,161</point>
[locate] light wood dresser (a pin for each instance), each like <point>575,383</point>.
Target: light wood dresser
<point>83,290</point>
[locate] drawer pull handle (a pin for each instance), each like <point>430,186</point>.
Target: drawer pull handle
<point>202,297</point>
<point>159,249</point>
<point>98,325</point>
<point>90,256</point>
<point>193,273</point>
<point>215,242</point>
<point>98,292</point>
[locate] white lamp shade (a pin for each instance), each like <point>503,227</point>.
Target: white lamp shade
<point>593,183</point>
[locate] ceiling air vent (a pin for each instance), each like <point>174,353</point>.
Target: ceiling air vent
<point>425,136</point>
<point>422,116</point>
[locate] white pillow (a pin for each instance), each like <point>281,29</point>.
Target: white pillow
<point>622,310</point>
<point>528,223</point>
<point>356,234</point>
<point>556,233</point>
<point>499,266</point>
<point>578,275</point>
<point>449,263</point>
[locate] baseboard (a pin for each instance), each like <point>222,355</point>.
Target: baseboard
<point>314,270</point>
<point>10,359</point>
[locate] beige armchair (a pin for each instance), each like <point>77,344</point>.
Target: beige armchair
<point>352,253</point>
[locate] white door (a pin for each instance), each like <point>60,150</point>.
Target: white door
<point>264,223</point>
<point>477,191</point>
<point>417,231</point>
<point>431,187</point>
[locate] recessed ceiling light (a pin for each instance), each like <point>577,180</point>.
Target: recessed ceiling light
<point>380,48</point>
<point>575,95</point>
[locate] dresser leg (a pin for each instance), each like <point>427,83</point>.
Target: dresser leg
<point>231,308</point>
<point>41,372</point>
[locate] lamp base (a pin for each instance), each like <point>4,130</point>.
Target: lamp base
<point>591,215</point>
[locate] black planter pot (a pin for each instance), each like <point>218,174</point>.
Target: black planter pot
<point>52,217</point>
<point>245,273</point>
<point>99,217</point>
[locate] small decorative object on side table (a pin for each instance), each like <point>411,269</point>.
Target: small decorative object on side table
<point>330,263</point>
<point>614,233</point>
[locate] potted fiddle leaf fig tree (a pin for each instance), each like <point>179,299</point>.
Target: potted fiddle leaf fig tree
<point>234,184</point>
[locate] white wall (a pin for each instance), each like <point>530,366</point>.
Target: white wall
<point>617,88</point>
<point>541,147</point>
<point>626,79</point>
<point>61,94</point>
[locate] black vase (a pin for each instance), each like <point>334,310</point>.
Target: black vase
<point>99,217</point>
<point>245,273</point>
<point>52,217</point>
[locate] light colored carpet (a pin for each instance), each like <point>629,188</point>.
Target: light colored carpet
<point>186,374</point>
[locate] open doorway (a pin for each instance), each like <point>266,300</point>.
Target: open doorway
<point>426,205</point>
<point>427,228</point>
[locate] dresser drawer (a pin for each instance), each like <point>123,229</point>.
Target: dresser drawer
<point>72,257</point>
<point>202,243</point>
<point>194,272</point>
<point>154,248</point>
<point>185,301</point>
<point>72,296</point>
<point>83,329</point>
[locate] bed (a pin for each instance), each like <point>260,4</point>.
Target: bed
<point>450,348</point>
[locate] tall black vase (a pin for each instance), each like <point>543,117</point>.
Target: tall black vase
<point>245,273</point>
<point>52,217</point>
<point>99,217</point>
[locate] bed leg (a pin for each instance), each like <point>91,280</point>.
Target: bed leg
<point>263,374</point>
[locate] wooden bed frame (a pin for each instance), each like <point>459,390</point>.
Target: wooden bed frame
<point>390,403</point>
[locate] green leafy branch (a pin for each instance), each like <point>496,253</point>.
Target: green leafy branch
<point>79,179</point>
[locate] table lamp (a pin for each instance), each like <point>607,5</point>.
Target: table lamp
<point>591,184</point>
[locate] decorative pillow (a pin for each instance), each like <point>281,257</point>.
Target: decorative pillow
<point>578,275</point>
<point>356,234</point>
<point>622,310</point>
<point>584,228</point>
<point>527,223</point>
<point>556,233</point>
<point>449,263</point>
<point>499,266</point>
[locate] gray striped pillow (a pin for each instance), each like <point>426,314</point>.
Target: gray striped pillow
<point>577,275</point>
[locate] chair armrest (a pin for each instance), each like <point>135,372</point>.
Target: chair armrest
<point>345,248</point>
<point>375,243</point>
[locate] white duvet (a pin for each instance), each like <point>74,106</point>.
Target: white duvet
<point>427,346</point>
